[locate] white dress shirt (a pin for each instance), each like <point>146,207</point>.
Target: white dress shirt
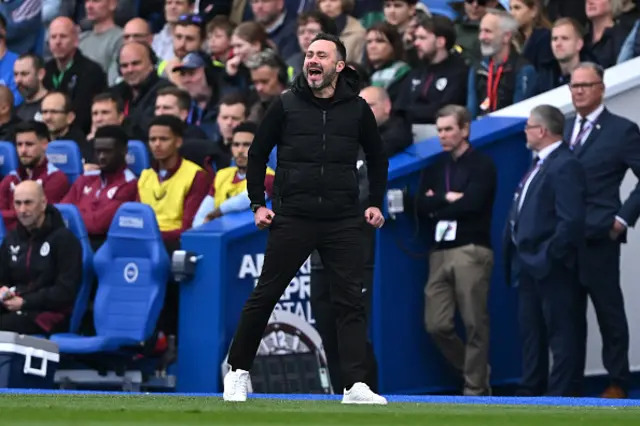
<point>591,120</point>
<point>542,156</point>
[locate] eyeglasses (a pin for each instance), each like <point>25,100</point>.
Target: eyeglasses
<point>577,86</point>
<point>190,19</point>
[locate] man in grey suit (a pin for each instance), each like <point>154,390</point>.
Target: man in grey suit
<point>607,145</point>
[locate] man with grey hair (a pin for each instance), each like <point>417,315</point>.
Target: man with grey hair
<point>544,231</point>
<point>608,146</point>
<point>503,77</point>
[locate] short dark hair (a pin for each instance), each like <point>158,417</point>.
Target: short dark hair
<point>183,97</point>
<point>246,127</point>
<point>176,125</point>
<point>111,97</point>
<point>440,26</point>
<point>194,20</point>
<point>113,132</point>
<point>67,105</point>
<point>460,113</point>
<point>327,25</point>
<point>36,60</point>
<point>3,22</point>
<point>342,51</point>
<point>233,98</point>
<point>33,126</point>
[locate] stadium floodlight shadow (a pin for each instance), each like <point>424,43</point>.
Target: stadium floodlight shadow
<point>132,268</point>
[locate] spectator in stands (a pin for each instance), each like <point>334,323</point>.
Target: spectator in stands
<point>7,61</point>
<point>99,193</point>
<point>233,111</point>
<point>32,139</point>
<point>399,13</point>
<point>40,267</point>
<point>350,30</point>
<point>310,24</point>
<point>106,109</point>
<point>567,45</point>
<point>534,35</point>
<point>23,26</point>
<point>278,23</point>
<point>102,43</point>
<point>442,76</point>
<point>8,120</point>
<point>468,28</point>
<point>247,39</point>
<point>188,36</point>
<point>384,56</point>
<point>28,73</point>
<point>60,120</point>
<point>219,31</point>
<point>456,196</point>
<point>605,36</point>
<point>72,72</point>
<point>173,10</point>
<point>575,9</point>
<point>139,86</point>
<point>608,146</point>
<point>270,77</point>
<point>177,102</point>
<point>137,29</point>
<point>395,129</point>
<point>631,47</point>
<point>174,187</point>
<point>199,78</point>
<point>504,77</point>
<point>229,190</point>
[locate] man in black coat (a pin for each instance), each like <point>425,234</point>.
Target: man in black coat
<point>319,127</point>
<point>40,266</point>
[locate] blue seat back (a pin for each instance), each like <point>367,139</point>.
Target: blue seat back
<point>73,220</point>
<point>132,267</point>
<point>3,230</point>
<point>138,157</point>
<point>65,155</point>
<point>8,158</point>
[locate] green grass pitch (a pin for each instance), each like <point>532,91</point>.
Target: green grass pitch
<point>90,410</point>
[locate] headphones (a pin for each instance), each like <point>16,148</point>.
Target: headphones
<point>150,52</point>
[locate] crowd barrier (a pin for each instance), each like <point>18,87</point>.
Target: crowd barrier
<point>231,250</point>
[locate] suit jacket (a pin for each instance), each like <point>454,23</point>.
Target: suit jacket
<point>612,148</point>
<point>549,228</point>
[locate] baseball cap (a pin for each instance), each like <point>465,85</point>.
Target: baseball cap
<point>191,61</point>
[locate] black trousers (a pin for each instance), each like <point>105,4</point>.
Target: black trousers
<point>325,316</point>
<point>546,313</point>
<point>600,280</point>
<point>17,323</point>
<point>291,240</point>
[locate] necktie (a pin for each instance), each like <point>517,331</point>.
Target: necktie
<point>580,134</point>
<point>513,216</point>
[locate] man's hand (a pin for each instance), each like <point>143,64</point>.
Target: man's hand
<point>213,215</point>
<point>453,196</point>
<point>617,229</point>
<point>374,217</point>
<point>430,193</point>
<point>4,292</point>
<point>263,217</point>
<point>14,304</point>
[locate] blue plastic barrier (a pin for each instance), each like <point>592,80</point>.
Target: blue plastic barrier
<point>231,249</point>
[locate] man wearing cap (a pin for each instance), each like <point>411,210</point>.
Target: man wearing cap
<point>99,193</point>
<point>188,36</point>
<point>198,76</point>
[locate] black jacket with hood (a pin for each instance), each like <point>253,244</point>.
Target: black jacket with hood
<point>318,144</point>
<point>45,267</point>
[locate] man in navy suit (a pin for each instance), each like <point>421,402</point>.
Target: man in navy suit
<point>607,146</point>
<point>543,233</point>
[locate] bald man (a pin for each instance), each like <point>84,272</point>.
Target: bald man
<point>139,87</point>
<point>40,267</point>
<point>137,29</point>
<point>394,128</point>
<point>8,120</point>
<point>72,72</point>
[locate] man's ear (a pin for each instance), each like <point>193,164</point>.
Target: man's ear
<point>340,66</point>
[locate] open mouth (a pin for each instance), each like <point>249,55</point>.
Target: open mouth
<point>315,72</point>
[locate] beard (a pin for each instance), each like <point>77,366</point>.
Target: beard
<point>489,49</point>
<point>326,81</point>
<point>28,92</point>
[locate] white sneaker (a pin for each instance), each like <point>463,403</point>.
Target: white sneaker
<point>235,386</point>
<point>361,394</point>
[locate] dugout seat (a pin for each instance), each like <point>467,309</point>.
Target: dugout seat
<point>8,158</point>
<point>66,156</point>
<point>73,221</point>
<point>132,267</point>
<point>138,157</point>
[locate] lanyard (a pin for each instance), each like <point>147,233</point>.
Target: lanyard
<point>126,109</point>
<point>427,85</point>
<point>196,110</point>
<point>57,79</point>
<point>492,86</point>
<point>447,177</point>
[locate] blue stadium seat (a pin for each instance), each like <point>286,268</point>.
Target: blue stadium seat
<point>8,158</point>
<point>73,220</point>
<point>65,155</point>
<point>138,157</point>
<point>132,267</point>
<point>3,230</point>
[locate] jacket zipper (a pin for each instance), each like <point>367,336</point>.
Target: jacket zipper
<point>28,265</point>
<point>324,147</point>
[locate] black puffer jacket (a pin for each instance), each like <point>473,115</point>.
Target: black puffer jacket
<point>318,144</point>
